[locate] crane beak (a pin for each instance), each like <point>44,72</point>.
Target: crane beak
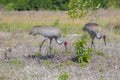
<point>105,41</point>
<point>65,48</point>
<point>104,38</point>
<point>65,43</point>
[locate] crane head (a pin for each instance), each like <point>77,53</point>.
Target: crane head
<point>65,44</point>
<point>104,38</point>
<point>32,33</point>
<point>62,41</point>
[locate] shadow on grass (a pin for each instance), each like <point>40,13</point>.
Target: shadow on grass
<point>44,57</point>
<point>75,59</point>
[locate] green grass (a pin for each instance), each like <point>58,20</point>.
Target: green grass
<point>71,28</point>
<point>101,69</point>
<point>16,62</point>
<point>117,28</point>
<point>59,65</point>
<point>37,54</point>
<point>4,77</point>
<point>64,76</point>
<point>101,78</point>
<point>15,27</point>
<point>100,53</point>
<point>83,64</point>
<point>46,63</point>
<point>67,63</point>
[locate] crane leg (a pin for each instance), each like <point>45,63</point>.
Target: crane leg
<point>50,47</point>
<point>42,44</point>
<point>92,43</point>
<point>40,48</point>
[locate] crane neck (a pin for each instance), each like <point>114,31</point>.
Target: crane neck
<point>59,41</point>
<point>99,36</point>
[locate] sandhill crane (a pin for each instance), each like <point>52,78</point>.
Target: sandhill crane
<point>94,30</point>
<point>49,32</point>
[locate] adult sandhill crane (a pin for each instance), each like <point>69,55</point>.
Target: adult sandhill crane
<point>94,30</point>
<point>49,32</point>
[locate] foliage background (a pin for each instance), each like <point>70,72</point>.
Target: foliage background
<point>57,4</point>
<point>35,4</point>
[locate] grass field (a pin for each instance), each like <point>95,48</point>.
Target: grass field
<point>14,27</point>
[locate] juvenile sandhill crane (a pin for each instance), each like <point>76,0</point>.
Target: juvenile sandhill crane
<point>49,32</point>
<point>94,30</point>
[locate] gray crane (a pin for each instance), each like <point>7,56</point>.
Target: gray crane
<point>49,32</point>
<point>94,30</point>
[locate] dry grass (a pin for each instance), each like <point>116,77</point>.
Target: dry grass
<point>40,17</point>
<point>24,20</point>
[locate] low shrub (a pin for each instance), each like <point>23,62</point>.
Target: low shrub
<point>83,53</point>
